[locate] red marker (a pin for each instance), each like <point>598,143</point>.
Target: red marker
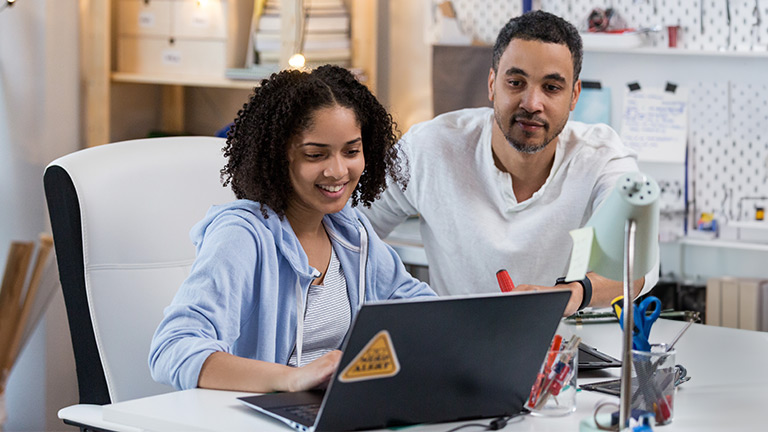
<point>505,282</point>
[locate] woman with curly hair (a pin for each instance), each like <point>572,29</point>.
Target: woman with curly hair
<point>280,272</point>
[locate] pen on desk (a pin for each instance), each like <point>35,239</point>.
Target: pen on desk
<point>505,281</point>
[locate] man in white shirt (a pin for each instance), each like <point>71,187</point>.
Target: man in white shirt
<point>501,188</point>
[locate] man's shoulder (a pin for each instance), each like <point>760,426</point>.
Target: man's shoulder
<point>462,122</point>
<point>456,131</point>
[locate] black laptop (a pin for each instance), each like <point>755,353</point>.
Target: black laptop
<point>428,361</point>
<point>590,358</point>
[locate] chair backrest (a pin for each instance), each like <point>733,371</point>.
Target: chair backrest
<point>121,215</point>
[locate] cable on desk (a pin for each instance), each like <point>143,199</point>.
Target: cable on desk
<point>495,424</point>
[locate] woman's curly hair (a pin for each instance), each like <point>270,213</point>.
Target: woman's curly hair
<point>282,107</point>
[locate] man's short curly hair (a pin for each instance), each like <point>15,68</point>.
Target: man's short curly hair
<point>540,26</point>
<point>282,107</point>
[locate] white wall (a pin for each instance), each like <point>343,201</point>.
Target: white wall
<point>39,121</point>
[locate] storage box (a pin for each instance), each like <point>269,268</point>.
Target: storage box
<point>189,37</point>
<point>737,303</point>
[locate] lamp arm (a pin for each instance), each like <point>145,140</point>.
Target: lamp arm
<point>628,312</point>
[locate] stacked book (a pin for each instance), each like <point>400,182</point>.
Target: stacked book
<point>326,33</point>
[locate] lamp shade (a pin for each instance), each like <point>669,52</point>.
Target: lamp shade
<point>635,197</point>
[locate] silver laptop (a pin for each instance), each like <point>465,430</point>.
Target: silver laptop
<point>429,361</point>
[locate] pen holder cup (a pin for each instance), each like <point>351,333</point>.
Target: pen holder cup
<point>554,391</point>
<point>654,375</point>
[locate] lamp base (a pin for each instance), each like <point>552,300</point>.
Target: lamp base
<point>588,424</point>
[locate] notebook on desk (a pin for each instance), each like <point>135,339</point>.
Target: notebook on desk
<point>427,361</point>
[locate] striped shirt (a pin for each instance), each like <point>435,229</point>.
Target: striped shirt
<point>327,316</point>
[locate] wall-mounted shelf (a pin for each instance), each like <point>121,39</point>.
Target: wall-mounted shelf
<point>678,52</point>
<point>97,57</point>
<point>183,80</point>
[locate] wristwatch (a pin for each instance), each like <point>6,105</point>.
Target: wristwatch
<point>586,285</point>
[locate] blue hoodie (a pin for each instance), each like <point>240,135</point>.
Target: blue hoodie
<point>249,282</point>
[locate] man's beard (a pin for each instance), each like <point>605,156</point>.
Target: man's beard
<point>529,148</point>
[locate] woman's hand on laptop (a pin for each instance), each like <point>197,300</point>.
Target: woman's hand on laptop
<point>224,371</point>
<point>316,374</point>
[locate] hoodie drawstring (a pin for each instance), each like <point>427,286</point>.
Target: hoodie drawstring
<point>299,322</point>
<point>363,260</point>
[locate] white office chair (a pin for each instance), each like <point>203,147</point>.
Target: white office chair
<point>121,215</point>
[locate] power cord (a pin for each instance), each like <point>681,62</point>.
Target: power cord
<point>498,423</point>
<point>495,424</point>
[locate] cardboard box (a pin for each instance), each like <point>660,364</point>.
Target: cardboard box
<point>187,37</point>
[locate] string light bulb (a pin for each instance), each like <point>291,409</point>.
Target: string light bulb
<point>297,61</point>
<point>6,4</point>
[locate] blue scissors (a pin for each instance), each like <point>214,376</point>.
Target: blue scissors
<point>643,321</point>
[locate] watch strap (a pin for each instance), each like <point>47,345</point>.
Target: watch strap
<point>586,285</point>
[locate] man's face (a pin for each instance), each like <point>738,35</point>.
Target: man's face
<point>533,93</point>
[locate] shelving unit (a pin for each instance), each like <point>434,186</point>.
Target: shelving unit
<point>181,80</point>
<point>97,59</point>
<point>679,52</point>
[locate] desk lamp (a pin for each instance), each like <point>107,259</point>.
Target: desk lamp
<point>625,243</point>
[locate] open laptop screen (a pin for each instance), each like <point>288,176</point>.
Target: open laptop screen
<point>436,360</point>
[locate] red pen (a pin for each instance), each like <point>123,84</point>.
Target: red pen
<point>556,342</point>
<point>505,282</point>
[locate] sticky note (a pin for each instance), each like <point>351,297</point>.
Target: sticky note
<point>580,254</point>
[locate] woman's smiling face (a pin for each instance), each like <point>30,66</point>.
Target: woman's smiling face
<point>325,162</point>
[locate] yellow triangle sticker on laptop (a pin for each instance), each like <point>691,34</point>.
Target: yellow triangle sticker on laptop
<point>376,360</point>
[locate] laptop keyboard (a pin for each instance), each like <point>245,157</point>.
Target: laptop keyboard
<point>307,412</point>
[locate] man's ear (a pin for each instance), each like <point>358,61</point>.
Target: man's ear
<point>491,80</point>
<point>575,95</point>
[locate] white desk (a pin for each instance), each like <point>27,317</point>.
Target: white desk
<point>728,390</point>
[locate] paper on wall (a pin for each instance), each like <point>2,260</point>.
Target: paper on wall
<point>655,124</point>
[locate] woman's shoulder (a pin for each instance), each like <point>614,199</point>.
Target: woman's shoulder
<point>237,215</point>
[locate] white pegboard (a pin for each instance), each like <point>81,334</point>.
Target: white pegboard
<point>704,24</point>
<point>483,19</point>
<point>748,159</point>
<point>744,24</point>
<point>762,32</point>
<point>749,115</point>
<point>575,12</point>
<point>671,209</point>
<point>709,111</point>
<point>710,133</point>
<point>728,149</point>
